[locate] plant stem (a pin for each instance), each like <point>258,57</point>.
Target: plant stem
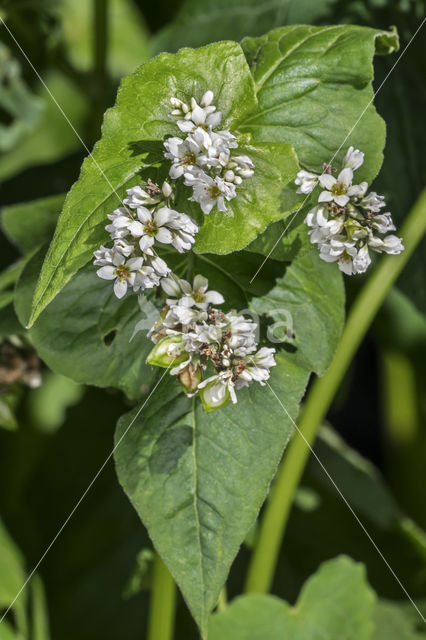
<point>365,307</point>
<point>162,604</point>
<point>100,40</point>
<point>222,602</point>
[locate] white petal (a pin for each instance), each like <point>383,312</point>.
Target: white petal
<point>341,200</point>
<point>120,288</point>
<point>144,214</point>
<point>107,273</point>
<point>325,196</point>
<point>164,235</point>
<point>163,216</point>
<point>214,297</point>
<point>200,282</point>
<point>145,242</point>
<point>326,180</point>
<point>346,176</point>
<point>136,228</point>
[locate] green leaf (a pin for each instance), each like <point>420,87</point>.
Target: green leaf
<point>309,302</point>
<point>140,115</point>
<point>198,479</point>
<point>231,275</point>
<point>6,632</point>
<point>86,333</point>
<point>40,618</point>
<point>269,195</point>
<point>53,137</point>
<point>127,35</point>
<point>335,603</point>
<point>31,224</point>
<point>390,623</point>
<point>313,84</point>
<point>199,22</point>
<point>283,240</point>
<point>7,417</point>
<point>12,575</point>
<point>20,109</point>
<point>400,540</point>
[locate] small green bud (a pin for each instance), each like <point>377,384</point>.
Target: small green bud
<point>168,351</point>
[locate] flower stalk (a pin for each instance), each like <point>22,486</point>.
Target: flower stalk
<point>162,604</point>
<point>362,313</point>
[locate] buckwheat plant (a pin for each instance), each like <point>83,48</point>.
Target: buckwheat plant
<point>190,334</point>
<point>197,338</point>
<point>347,222</point>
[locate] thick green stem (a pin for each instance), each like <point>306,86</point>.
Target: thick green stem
<point>404,441</point>
<point>365,307</point>
<point>162,604</point>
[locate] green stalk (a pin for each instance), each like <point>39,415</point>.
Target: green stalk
<point>100,40</point>
<point>262,567</point>
<point>162,604</point>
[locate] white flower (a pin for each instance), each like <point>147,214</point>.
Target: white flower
<point>120,221</point>
<point>158,264</point>
<point>362,260</point>
<point>306,181</point>
<point>137,197</point>
<point>257,367</point>
<point>353,159</point>
<point>339,250</point>
<point>201,116</point>
<point>187,295</point>
<point>184,154</point>
<point>217,390</point>
<point>383,223</point>
<point>242,340</point>
<point>209,192</point>
<point>164,225</point>
<point>103,256</point>
<point>340,189</point>
<point>323,227</point>
<point>373,202</point>
<point>124,273</point>
<point>390,244</point>
<point>244,166</point>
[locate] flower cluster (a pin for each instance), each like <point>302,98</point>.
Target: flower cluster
<point>135,229</point>
<point>347,221</point>
<point>203,158</point>
<point>194,337</point>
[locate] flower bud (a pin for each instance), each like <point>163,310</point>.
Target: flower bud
<point>214,396</point>
<point>229,176</point>
<point>166,189</point>
<point>169,350</point>
<point>190,377</point>
<point>207,99</point>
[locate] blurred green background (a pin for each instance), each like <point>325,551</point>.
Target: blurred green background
<point>94,582</point>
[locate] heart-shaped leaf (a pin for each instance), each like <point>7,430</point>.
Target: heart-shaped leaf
<point>335,603</point>
<point>87,334</point>
<point>198,480</point>
<point>301,303</point>
<point>313,85</point>
<point>140,116</point>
